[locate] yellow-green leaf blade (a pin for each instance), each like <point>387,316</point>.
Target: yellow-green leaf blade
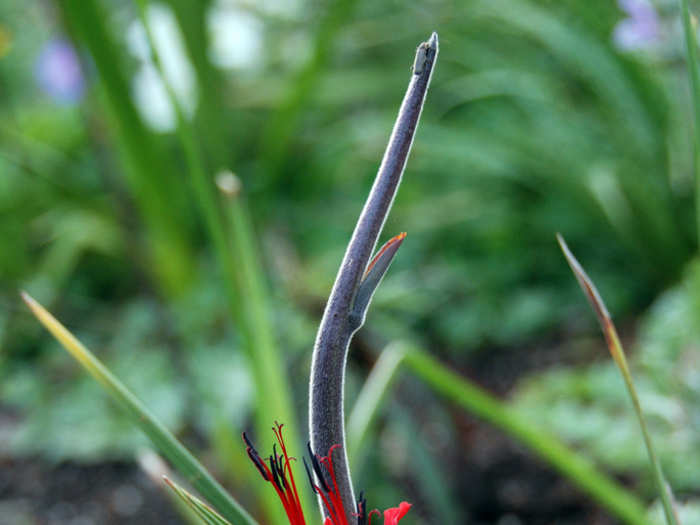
<point>618,353</point>
<point>201,509</point>
<point>161,437</point>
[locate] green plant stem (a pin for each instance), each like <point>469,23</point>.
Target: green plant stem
<point>202,184</point>
<point>156,469</point>
<point>236,254</point>
<point>573,466</point>
<point>144,164</point>
<point>691,47</point>
<point>211,119</point>
<point>618,354</point>
<point>204,512</point>
<point>280,129</point>
<point>272,384</point>
<point>162,438</point>
<point>659,478</point>
<point>340,319</point>
<point>440,501</point>
<point>371,397</point>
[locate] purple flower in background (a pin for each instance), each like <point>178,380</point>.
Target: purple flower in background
<point>640,29</point>
<point>58,72</point>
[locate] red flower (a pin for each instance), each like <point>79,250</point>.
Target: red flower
<point>394,514</point>
<point>278,471</point>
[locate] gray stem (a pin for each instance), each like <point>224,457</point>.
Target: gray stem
<point>326,416</point>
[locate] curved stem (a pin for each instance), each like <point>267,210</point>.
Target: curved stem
<point>326,417</point>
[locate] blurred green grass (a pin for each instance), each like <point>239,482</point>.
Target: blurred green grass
<point>537,122</point>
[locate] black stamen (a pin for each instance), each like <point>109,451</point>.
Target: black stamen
<point>279,465</point>
<point>253,455</point>
<point>273,468</point>
<point>310,475</point>
<point>280,469</point>
<point>275,458</point>
<point>275,474</point>
<point>362,509</point>
<point>248,442</point>
<point>317,469</point>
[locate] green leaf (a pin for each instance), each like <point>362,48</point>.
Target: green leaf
<point>374,274</point>
<point>609,494</point>
<point>201,509</point>
<point>162,438</point>
<point>231,232</point>
<point>477,401</point>
<point>371,398</point>
<point>618,354</point>
<point>691,46</point>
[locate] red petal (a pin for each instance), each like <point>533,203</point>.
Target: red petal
<point>394,514</point>
<point>327,521</point>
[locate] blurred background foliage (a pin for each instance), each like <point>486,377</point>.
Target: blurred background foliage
<point>543,116</point>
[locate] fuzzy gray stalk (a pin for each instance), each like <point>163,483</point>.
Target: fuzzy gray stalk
<point>354,285</point>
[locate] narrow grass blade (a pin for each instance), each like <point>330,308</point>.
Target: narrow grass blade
<point>234,246</point>
<point>281,127</point>
<point>202,184</point>
<point>255,320</point>
<point>201,509</point>
<point>691,46</point>
<point>211,116</point>
<point>161,437</point>
<point>618,354</point>
<point>605,491</point>
<point>144,163</point>
<point>371,398</point>
<point>156,469</point>
<point>441,502</point>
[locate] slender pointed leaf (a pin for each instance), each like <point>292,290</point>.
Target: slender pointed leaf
<point>597,304</point>
<point>201,509</point>
<point>371,398</point>
<point>608,493</point>
<point>155,468</point>
<point>231,233</point>
<point>618,354</point>
<point>374,274</point>
<point>162,438</point>
<point>145,165</point>
<point>691,46</point>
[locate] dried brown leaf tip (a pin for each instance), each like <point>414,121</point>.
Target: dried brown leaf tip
<point>596,302</point>
<point>586,284</point>
<point>386,251</point>
<point>371,279</point>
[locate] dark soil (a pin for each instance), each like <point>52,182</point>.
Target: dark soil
<point>501,482</point>
<point>33,492</point>
<point>505,485</point>
<point>501,485</point>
